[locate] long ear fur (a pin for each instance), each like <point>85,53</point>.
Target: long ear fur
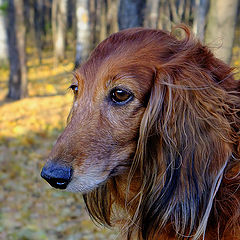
<point>186,141</point>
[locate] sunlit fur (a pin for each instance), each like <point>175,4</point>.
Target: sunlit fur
<point>180,177</point>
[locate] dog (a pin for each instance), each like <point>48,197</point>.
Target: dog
<point>153,138</point>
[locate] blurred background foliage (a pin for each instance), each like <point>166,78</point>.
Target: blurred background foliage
<point>41,42</point>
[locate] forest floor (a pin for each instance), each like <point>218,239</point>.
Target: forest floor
<point>29,208</point>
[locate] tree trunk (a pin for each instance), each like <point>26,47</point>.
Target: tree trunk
<point>164,16</point>
<point>71,24</point>
<point>221,26</point>
<point>103,20</point>
<point>176,19</point>
<point>199,18</point>
<point>152,13</point>
<point>181,7</point>
<point>107,14</point>
<point>59,20</point>
<point>39,26</point>
<point>187,12</point>
<point>83,44</point>
<point>112,16</point>
<point>71,4</point>
<point>94,15</point>
<point>17,56</point>
<point>3,34</point>
<point>130,13</point>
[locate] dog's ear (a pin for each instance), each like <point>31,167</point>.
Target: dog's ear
<point>182,151</point>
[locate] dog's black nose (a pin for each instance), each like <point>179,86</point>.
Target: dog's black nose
<point>56,175</point>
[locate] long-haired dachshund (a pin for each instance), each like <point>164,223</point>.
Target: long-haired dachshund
<point>153,138</point>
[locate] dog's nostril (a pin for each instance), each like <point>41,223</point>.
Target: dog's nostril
<point>56,175</point>
<point>58,183</point>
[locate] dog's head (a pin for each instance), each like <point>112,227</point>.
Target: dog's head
<point>111,91</point>
<point>156,109</point>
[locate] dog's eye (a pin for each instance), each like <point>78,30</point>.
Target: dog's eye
<point>120,96</point>
<point>74,87</point>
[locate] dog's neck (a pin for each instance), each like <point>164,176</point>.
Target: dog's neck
<point>126,200</point>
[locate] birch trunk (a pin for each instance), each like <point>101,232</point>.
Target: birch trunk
<point>59,20</point>
<point>3,35</point>
<point>199,18</point>
<point>221,27</point>
<point>83,44</point>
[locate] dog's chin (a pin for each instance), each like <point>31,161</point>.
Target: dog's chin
<point>83,184</point>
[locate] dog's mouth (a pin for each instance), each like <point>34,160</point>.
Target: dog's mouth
<point>65,178</point>
<point>67,181</point>
<point>120,169</point>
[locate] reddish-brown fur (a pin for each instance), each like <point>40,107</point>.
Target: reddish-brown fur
<point>166,164</point>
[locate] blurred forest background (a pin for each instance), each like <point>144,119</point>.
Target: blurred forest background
<point>41,42</point>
